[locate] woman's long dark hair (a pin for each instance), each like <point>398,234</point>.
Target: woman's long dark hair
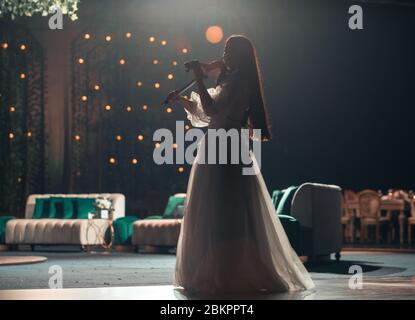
<point>256,117</point>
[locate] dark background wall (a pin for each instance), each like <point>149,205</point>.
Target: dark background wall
<point>341,101</point>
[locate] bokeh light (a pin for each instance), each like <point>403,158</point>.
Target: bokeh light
<point>214,34</point>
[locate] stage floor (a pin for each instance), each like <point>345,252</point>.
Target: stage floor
<point>148,276</point>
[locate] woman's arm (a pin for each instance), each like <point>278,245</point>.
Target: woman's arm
<point>188,104</point>
<point>205,98</point>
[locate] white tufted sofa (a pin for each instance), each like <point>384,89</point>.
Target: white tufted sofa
<point>62,231</point>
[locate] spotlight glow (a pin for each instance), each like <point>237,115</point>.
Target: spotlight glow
<point>214,34</point>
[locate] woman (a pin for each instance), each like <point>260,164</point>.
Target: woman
<point>231,239</point>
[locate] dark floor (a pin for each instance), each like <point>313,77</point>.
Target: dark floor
<point>385,275</point>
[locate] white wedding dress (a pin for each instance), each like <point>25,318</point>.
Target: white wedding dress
<point>231,240</point>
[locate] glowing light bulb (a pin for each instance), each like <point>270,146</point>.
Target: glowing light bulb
<point>169,110</point>
<point>84,98</point>
<point>157,145</point>
<point>29,134</point>
<point>97,87</point>
<point>163,42</point>
<point>112,160</point>
<point>185,50</point>
<point>170,76</point>
<point>4,45</point>
<point>157,85</point>
<point>174,145</point>
<point>140,137</point>
<point>187,127</point>
<point>23,47</point>
<point>118,137</point>
<point>81,60</point>
<point>134,161</point>
<point>139,84</point>
<point>11,135</point>
<point>155,61</point>
<point>108,107</point>
<point>180,169</point>
<point>129,109</point>
<point>87,36</point>
<point>122,61</point>
<point>77,137</point>
<point>174,63</point>
<point>108,38</point>
<point>12,109</point>
<point>22,76</point>
<point>145,107</point>
<point>151,39</point>
<point>214,34</point>
<point>128,34</point>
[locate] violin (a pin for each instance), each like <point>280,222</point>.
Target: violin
<point>189,65</point>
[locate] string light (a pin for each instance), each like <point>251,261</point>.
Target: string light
<point>157,85</point>
<point>118,137</point>
<point>29,134</point>
<point>84,98</point>
<point>157,145</point>
<point>108,38</point>
<point>151,39</point>
<point>185,50</point>
<point>187,127</point>
<point>163,42</point>
<point>81,60</point>
<point>129,109</point>
<point>170,76</point>
<point>180,169</point>
<point>22,76</point>
<point>4,45</point>
<point>140,137</point>
<point>77,137</point>
<point>23,47</point>
<point>97,87</point>
<point>174,145</point>
<point>87,36</point>
<point>12,109</point>
<point>128,35</point>
<point>174,63</point>
<point>19,179</point>
<point>122,61</point>
<point>169,110</point>
<point>145,107</point>
<point>112,160</point>
<point>155,61</point>
<point>134,161</point>
<point>108,107</point>
<point>11,135</point>
<point>139,84</point>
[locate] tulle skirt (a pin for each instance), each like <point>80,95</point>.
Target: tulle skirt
<point>231,240</point>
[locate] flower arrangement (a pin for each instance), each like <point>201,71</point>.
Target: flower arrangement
<point>30,7</point>
<point>104,206</point>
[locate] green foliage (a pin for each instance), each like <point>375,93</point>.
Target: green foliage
<point>18,8</point>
